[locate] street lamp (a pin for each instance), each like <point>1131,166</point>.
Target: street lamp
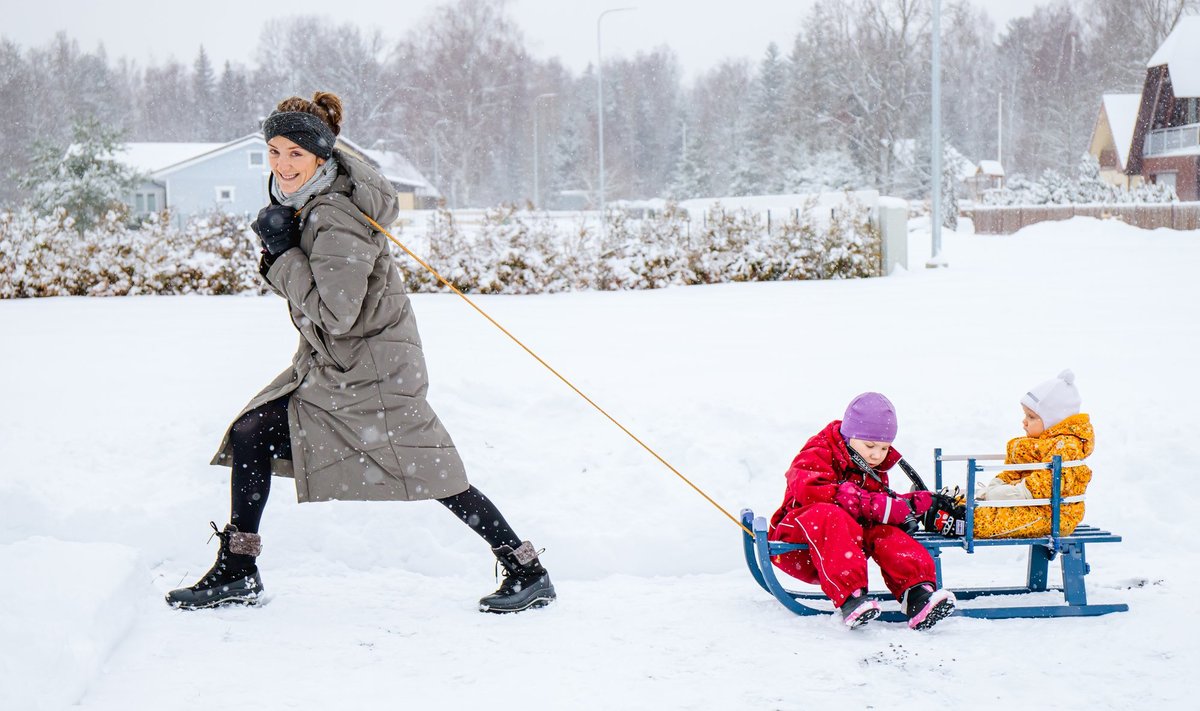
<point>537,193</point>
<point>936,138</point>
<point>600,110</point>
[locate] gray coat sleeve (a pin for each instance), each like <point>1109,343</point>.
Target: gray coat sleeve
<point>328,284</point>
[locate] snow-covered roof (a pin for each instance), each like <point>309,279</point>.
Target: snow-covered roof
<point>152,157</point>
<point>1122,112</point>
<point>1180,51</point>
<point>397,169</point>
<point>991,167</point>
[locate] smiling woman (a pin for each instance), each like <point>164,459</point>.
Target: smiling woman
<point>348,419</point>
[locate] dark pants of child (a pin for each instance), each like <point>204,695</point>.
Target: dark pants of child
<point>262,435</point>
<point>838,547</point>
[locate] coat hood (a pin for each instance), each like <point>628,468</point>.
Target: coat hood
<point>367,189</point>
<point>1077,426</point>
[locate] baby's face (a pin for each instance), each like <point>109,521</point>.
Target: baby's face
<point>1032,423</point>
<point>873,452</point>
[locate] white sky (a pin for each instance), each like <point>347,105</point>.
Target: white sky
<point>701,32</point>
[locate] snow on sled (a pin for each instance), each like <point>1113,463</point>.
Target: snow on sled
<point>1070,550</point>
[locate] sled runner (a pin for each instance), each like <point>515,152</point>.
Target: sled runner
<point>1043,549</point>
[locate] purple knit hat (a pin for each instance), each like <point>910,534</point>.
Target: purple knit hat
<point>870,416</point>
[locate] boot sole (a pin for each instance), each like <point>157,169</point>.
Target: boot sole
<point>532,604</point>
<point>246,601</point>
<point>863,618</point>
<point>940,611</point>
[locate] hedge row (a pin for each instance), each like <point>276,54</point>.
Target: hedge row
<point>509,251</point>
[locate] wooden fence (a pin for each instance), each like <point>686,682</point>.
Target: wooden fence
<point>1009,219</point>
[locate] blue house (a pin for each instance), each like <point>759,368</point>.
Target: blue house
<point>192,178</point>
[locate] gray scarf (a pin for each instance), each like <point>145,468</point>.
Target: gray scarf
<point>318,182</point>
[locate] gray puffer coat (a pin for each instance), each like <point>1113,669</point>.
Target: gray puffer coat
<point>361,428</point>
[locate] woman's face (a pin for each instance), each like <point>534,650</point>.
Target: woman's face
<point>291,164</point>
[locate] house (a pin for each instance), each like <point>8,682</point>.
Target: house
<point>191,178</point>
<point>988,175</point>
<point>1112,137</point>
<point>1166,138</point>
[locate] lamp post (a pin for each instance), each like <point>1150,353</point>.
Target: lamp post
<point>600,110</point>
<point>936,137</point>
<point>537,197</point>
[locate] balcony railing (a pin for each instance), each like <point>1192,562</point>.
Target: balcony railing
<point>1169,140</point>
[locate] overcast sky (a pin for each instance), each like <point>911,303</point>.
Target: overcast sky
<point>701,32</point>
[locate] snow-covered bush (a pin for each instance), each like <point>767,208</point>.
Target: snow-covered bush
<point>508,251</point>
<point>46,256</point>
<point>1086,187</point>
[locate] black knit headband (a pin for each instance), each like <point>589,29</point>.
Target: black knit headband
<point>302,128</point>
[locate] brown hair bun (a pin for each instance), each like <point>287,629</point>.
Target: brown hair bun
<point>324,105</point>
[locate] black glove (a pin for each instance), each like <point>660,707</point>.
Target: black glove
<point>278,228</point>
<point>947,515</point>
<point>265,262</point>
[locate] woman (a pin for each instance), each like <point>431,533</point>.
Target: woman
<point>348,420</point>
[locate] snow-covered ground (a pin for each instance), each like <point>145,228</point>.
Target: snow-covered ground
<point>114,406</point>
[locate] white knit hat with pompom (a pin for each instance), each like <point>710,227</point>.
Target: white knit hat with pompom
<point>1054,400</point>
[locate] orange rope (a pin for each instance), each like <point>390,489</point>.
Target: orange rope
<point>558,375</point>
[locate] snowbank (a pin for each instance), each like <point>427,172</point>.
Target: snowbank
<point>66,607</point>
<point>369,604</point>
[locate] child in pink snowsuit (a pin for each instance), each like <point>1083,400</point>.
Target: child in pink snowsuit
<point>845,512</point>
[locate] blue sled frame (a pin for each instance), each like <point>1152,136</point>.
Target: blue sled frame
<point>1068,549</point>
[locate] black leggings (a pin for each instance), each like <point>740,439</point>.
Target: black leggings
<point>262,435</point>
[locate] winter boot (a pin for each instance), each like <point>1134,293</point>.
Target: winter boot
<point>526,583</point>
<point>925,606</point>
<point>858,609</point>
<point>233,579</point>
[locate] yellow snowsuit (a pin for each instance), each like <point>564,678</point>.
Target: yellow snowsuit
<point>1071,439</point>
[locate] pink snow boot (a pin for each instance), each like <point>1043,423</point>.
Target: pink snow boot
<point>925,606</point>
<point>858,609</point>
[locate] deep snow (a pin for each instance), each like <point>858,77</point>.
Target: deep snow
<point>114,407</point>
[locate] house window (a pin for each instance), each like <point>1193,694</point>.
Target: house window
<point>145,203</point>
<point>1165,179</point>
<point>224,193</point>
<point>257,159</point>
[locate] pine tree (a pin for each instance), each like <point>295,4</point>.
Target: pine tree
<point>87,181</point>
<point>204,84</point>
<point>764,141</point>
<point>689,180</point>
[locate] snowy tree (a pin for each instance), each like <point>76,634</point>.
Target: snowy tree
<point>816,171</point>
<point>763,172</point>
<point>571,163</point>
<point>1123,35</point>
<point>875,87</point>
<point>204,87</point>
<point>238,110</point>
<point>718,118</point>
<point>166,104</point>
<point>952,168</point>
<point>465,69</point>
<point>1089,186</point>
<point>85,181</point>
<point>971,80</point>
<point>689,178</point>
